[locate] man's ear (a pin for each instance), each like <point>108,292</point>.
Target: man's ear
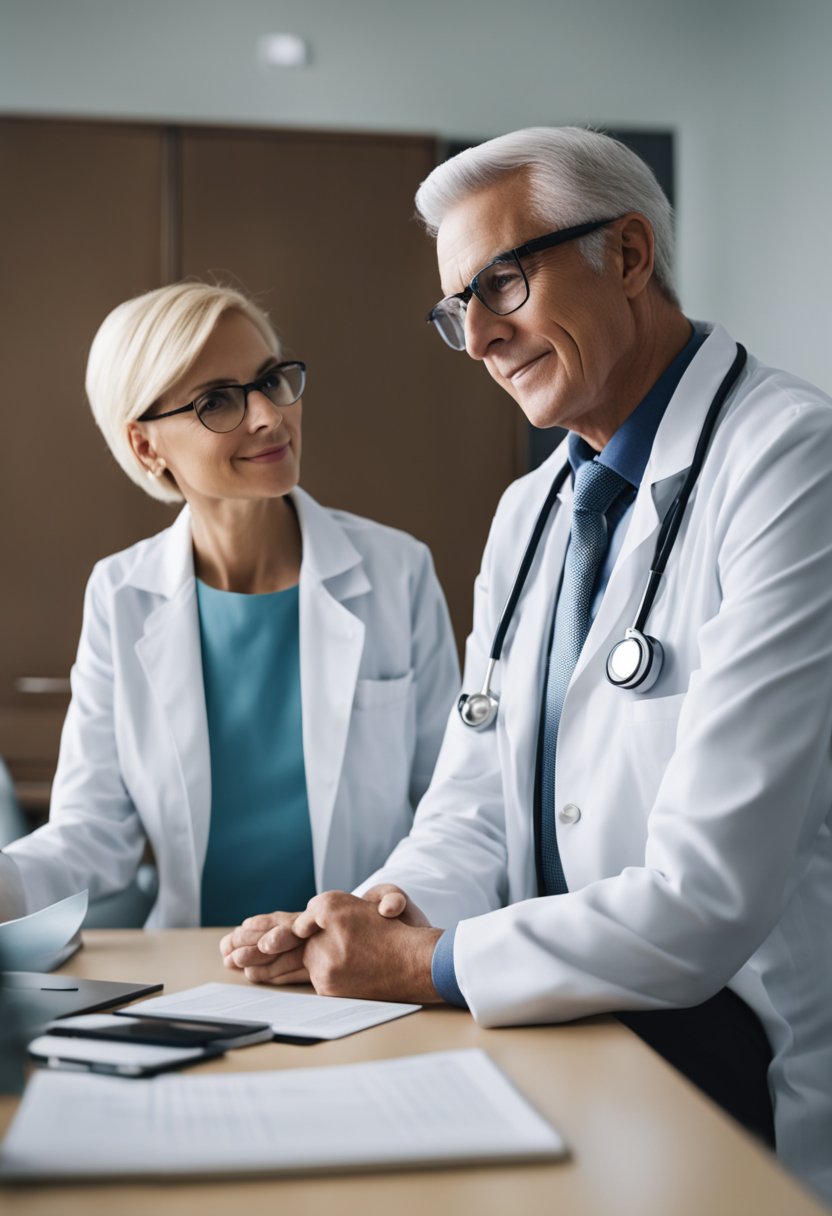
<point>635,248</point>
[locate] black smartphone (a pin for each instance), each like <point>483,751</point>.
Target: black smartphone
<point>163,1032</point>
<point>77,1053</point>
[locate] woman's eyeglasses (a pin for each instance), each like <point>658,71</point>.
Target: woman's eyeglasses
<point>223,407</point>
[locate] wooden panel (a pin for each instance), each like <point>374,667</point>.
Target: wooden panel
<point>80,216</point>
<point>320,228</point>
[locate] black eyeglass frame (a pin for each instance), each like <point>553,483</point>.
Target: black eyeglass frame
<point>254,386</point>
<point>548,241</point>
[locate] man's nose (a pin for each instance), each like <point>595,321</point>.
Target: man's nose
<point>482,327</point>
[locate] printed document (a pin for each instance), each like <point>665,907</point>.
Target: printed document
<point>290,1013</point>
<point>443,1108</point>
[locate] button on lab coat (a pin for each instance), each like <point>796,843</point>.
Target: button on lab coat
<point>694,820</point>
<point>378,670</point>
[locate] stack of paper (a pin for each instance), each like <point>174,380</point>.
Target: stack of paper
<point>291,1014</point>
<point>438,1109</point>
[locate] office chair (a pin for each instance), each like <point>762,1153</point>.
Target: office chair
<point>13,823</point>
<point>126,909</point>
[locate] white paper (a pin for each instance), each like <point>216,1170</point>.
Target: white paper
<point>441,1108</point>
<point>41,941</point>
<point>290,1013</point>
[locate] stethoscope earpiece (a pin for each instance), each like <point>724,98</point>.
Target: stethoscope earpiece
<point>635,661</point>
<point>477,710</point>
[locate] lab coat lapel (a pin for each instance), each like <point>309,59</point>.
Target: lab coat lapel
<point>523,663</point>
<point>628,578</point>
<point>331,647</point>
<point>669,461</point>
<point>170,655</point>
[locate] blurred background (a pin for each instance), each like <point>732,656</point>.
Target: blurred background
<point>143,142</point>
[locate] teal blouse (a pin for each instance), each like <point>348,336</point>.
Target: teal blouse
<point>259,854</point>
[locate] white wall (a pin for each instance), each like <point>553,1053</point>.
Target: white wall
<point>743,83</point>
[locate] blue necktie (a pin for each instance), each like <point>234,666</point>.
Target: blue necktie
<point>596,489</point>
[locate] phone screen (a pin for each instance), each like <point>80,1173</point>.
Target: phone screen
<point>161,1031</point>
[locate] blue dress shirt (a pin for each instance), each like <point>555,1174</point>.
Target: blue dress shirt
<point>627,452</point>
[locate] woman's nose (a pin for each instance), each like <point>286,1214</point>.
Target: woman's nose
<point>261,410</point>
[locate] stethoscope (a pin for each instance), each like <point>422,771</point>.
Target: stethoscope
<point>636,661</point>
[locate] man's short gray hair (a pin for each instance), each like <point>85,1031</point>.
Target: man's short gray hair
<point>576,175</point>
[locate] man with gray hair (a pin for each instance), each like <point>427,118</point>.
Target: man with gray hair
<point>632,815</point>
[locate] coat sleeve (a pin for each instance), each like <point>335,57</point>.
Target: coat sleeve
<point>741,814</point>
<point>453,862</point>
<point>94,838</point>
<point>435,672</point>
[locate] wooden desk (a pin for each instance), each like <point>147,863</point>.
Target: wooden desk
<point>643,1141</point>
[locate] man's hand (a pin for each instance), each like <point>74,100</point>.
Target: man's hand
<point>392,902</point>
<point>351,950</point>
<point>278,962</point>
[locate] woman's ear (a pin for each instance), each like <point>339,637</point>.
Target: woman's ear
<point>144,450</point>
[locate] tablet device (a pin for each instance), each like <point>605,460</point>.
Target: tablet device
<point>45,997</point>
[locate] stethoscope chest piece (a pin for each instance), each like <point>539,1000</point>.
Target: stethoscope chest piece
<point>635,661</point>
<point>477,710</point>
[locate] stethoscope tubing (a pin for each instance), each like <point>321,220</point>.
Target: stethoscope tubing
<point>668,531</point>
<point>526,563</point>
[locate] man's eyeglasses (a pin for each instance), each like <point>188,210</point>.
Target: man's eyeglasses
<point>223,407</point>
<point>501,286</point>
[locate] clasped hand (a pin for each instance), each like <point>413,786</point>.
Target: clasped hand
<point>379,947</point>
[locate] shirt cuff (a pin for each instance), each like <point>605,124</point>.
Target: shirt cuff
<point>442,970</point>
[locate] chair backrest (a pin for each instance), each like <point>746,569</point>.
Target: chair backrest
<point>13,823</point>
<point>127,909</point>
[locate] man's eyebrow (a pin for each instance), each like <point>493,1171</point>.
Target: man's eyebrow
<point>502,255</point>
<point>269,363</point>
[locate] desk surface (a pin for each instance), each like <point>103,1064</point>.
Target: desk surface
<point>643,1141</point>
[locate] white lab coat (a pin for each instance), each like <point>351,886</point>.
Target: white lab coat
<point>702,854</point>
<point>378,669</point>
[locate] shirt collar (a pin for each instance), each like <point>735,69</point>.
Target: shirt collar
<point>628,451</point>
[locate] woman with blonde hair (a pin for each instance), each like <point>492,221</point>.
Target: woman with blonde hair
<point>261,689</point>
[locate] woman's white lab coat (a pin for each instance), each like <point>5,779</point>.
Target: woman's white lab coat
<point>697,843</point>
<point>378,670</point>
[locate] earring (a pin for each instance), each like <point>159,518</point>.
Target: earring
<point>155,474</point>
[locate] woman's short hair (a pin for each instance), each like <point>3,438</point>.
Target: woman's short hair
<point>576,175</point>
<point>143,348</point>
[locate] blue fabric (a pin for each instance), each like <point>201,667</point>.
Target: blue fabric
<point>443,972</point>
<point>629,448</point>
<point>259,854</point>
<point>596,488</point>
<point>628,452</point>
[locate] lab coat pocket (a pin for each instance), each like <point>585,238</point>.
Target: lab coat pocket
<point>652,742</point>
<point>377,694</point>
<point>380,744</point>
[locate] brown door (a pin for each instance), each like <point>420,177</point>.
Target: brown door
<point>81,225</point>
